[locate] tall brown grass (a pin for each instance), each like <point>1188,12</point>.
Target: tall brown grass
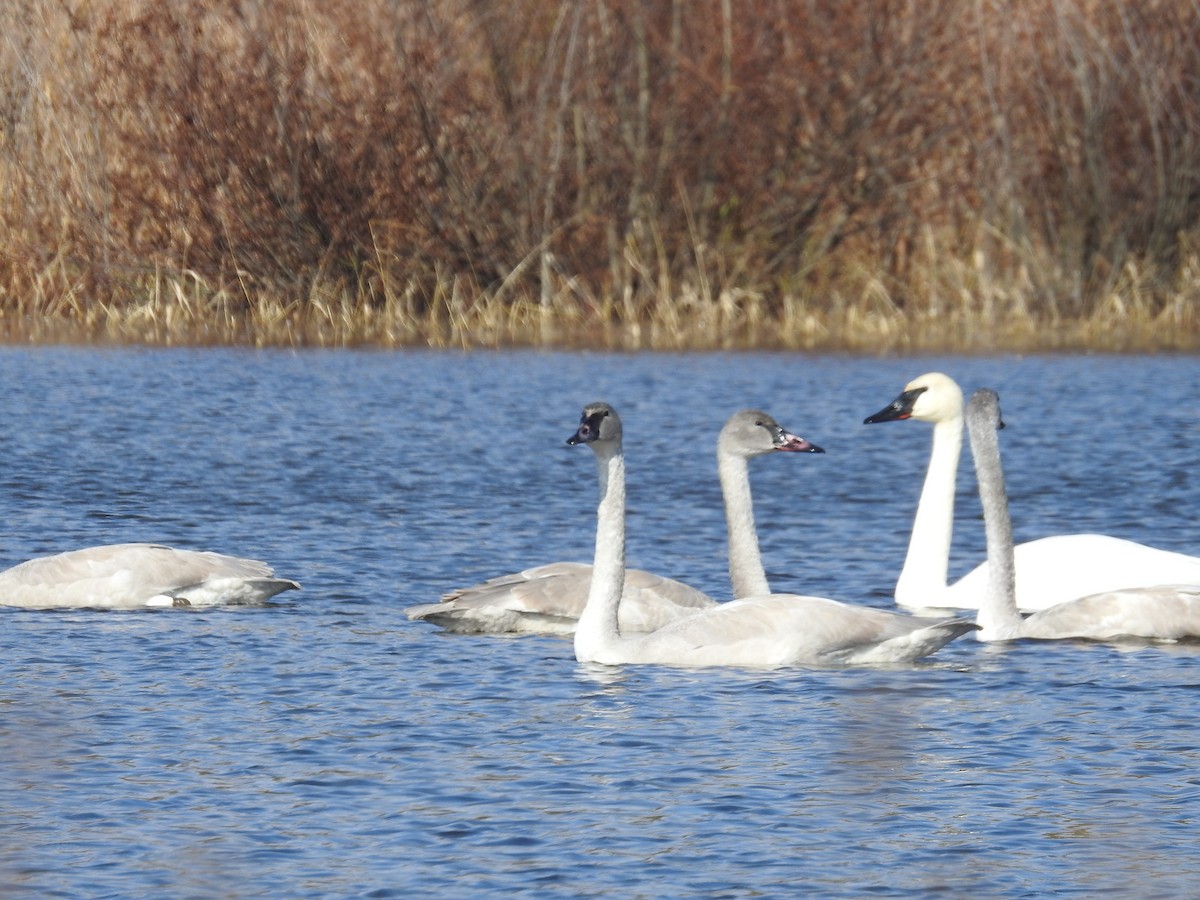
<point>709,173</point>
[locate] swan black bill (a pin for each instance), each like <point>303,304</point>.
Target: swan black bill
<point>898,409</point>
<point>589,427</point>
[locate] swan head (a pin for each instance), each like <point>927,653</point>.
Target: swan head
<point>983,411</point>
<point>751,432</point>
<point>599,425</point>
<point>933,397</point>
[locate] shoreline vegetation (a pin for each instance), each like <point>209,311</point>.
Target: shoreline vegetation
<point>680,174</point>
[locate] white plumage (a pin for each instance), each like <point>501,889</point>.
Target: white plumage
<point>549,599</point>
<point>762,632</point>
<point>135,576</point>
<point>1049,570</point>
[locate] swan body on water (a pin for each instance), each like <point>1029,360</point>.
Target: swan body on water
<point>760,632</point>
<point>138,576</point>
<point>549,599</point>
<point>1050,570</point>
<point>1159,612</point>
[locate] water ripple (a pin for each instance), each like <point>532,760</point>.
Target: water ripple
<point>325,746</point>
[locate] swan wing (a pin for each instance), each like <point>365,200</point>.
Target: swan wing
<point>549,600</point>
<point>1169,612</point>
<point>789,629</point>
<point>549,570</point>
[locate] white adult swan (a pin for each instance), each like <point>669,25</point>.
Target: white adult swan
<point>762,632</point>
<point>548,599</point>
<point>1050,570</point>
<point>1165,612</point>
<point>136,576</point>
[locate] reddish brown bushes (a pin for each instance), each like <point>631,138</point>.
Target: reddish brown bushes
<point>387,168</point>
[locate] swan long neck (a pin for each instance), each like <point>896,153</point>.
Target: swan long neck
<point>998,616</point>
<point>926,567</point>
<point>597,628</point>
<point>746,571</point>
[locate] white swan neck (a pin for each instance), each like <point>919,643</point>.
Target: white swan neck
<point>597,629</point>
<point>746,572</point>
<point>927,564</point>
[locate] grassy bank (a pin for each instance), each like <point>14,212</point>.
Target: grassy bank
<point>166,315</point>
<point>709,173</point>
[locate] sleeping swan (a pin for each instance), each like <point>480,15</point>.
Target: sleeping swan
<point>138,576</point>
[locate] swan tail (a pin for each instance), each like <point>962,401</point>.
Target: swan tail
<point>919,642</point>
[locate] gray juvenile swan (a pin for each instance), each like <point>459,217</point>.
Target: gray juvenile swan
<point>137,576</point>
<point>1162,612</point>
<point>549,599</point>
<point>761,632</point>
<point>1050,570</point>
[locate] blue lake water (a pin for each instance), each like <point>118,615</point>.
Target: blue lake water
<point>325,746</point>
